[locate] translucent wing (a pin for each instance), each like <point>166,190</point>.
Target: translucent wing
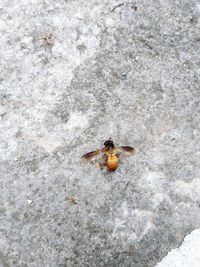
<point>125,151</point>
<point>128,149</point>
<point>97,156</point>
<point>91,155</point>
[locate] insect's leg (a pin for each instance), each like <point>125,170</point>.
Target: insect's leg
<point>102,162</point>
<point>101,165</point>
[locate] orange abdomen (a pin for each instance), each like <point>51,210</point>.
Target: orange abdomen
<point>112,163</point>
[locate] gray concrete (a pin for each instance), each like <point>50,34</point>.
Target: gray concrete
<point>72,74</point>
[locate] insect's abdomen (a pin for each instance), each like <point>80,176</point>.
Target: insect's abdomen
<point>112,163</point>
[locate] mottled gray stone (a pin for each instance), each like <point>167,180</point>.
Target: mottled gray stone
<point>127,73</point>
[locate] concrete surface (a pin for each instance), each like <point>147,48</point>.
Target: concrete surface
<point>74,73</point>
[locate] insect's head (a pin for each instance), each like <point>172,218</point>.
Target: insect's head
<point>109,143</point>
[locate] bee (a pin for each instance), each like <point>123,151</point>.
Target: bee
<point>109,155</point>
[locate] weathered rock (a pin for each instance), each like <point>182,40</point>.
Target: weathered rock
<point>74,73</point>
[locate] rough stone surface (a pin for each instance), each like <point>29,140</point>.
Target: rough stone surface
<point>74,73</point>
<point>187,255</point>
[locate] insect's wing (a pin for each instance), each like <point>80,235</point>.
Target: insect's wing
<point>91,155</point>
<point>128,149</point>
<point>125,151</point>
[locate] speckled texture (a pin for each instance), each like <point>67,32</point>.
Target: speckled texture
<point>74,73</point>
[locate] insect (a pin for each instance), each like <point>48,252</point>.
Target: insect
<point>109,155</point>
